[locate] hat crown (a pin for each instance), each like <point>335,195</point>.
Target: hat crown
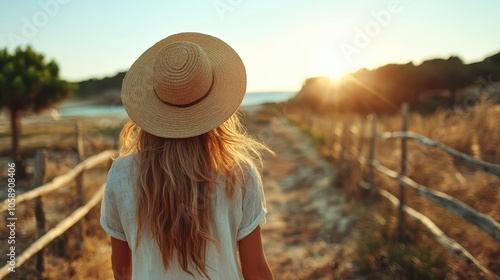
<point>184,85</point>
<point>182,74</point>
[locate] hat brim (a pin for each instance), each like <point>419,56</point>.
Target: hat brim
<point>152,115</point>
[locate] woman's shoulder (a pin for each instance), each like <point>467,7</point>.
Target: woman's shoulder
<point>124,162</point>
<point>245,169</point>
<point>251,175</point>
<point>123,167</point>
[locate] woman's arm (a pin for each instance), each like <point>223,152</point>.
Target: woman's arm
<point>121,259</point>
<point>253,260</point>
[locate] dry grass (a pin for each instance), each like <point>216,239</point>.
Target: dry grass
<point>475,132</point>
<point>60,136</point>
<point>63,260</point>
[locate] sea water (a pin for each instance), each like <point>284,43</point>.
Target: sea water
<point>97,110</point>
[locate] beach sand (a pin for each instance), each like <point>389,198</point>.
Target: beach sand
<point>308,231</point>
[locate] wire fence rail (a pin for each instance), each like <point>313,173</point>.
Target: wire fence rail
<point>485,222</point>
<point>43,237</point>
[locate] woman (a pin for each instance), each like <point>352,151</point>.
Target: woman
<point>184,200</point>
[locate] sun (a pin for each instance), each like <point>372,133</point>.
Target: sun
<point>335,72</point>
<point>326,63</point>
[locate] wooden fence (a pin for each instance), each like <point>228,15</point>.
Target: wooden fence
<point>40,189</point>
<point>483,221</point>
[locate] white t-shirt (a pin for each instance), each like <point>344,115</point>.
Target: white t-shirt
<point>235,218</point>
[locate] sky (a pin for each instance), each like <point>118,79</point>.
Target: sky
<point>281,42</point>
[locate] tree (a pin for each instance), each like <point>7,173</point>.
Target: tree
<point>449,74</point>
<point>495,59</point>
<point>488,69</point>
<point>28,84</point>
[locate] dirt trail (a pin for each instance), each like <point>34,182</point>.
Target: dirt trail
<point>307,223</point>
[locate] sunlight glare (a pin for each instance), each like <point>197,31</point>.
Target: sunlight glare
<point>327,63</point>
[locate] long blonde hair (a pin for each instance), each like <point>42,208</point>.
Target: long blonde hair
<point>175,183</point>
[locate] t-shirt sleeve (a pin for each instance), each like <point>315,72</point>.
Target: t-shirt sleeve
<point>254,204</point>
<point>110,216</point>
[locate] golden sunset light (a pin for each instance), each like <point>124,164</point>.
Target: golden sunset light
<point>325,63</point>
<point>232,139</point>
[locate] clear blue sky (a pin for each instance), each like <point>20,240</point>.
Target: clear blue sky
<point>281,42</point>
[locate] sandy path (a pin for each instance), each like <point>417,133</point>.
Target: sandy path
<point>307,220</point>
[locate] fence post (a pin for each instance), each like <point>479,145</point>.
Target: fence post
<point>361,138</point>
<point>347,146</point>
<point>328,133</point>
<point>371,156</point>
<point>79,186</point>
<point>402,172</point>
<point>334,138</point>
<point>38,180</point>
<point>343,143</point>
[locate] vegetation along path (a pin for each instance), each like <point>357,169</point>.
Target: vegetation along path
<point>307,234</point>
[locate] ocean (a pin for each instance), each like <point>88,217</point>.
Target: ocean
<point>118,110</point>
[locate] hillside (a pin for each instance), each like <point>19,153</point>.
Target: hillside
<point>392,83</point>
<point>106,90</point>
<point>448,81</point>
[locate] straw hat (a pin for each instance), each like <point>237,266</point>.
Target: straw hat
<point>184,85</point>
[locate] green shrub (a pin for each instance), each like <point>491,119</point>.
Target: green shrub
<point>382,254</point>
